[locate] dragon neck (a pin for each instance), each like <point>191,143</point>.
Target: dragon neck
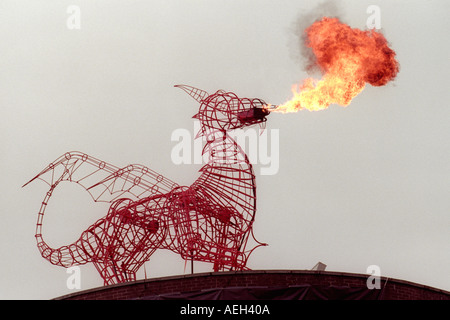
<point>228,176</point>
<point>224,153</point>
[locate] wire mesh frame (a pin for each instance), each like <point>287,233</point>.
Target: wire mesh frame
<point>209,221</point>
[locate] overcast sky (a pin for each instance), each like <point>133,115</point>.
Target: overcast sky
<point>364,185</point>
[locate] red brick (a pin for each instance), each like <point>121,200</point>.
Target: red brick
<point>392,290</point>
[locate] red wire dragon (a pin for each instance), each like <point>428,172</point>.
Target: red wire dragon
<point>210,220</point>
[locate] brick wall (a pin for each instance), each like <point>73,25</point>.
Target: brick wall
<point>391,289</point>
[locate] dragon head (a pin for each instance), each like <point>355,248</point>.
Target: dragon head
<point>225,111</point>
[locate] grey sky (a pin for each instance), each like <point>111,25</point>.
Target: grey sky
<point>356,186</point>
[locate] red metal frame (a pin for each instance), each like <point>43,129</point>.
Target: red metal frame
<point>211,220</point>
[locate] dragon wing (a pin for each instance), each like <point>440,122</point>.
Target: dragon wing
<point>103,181</point>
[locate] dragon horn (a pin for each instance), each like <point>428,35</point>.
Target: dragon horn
<point>197,94</point>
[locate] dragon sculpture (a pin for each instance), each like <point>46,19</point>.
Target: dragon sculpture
<point>211,220</point>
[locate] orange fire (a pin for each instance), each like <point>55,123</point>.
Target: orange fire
<point>348,58</point>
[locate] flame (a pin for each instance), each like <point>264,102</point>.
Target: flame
<point>348,58</point>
